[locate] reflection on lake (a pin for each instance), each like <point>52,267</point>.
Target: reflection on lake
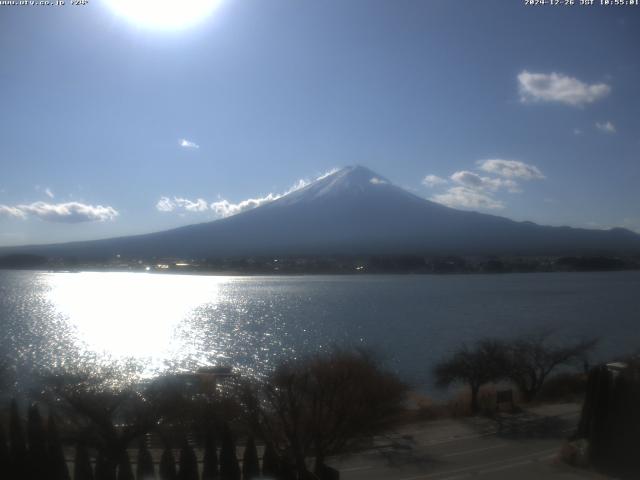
<point>126,315</point>
<point>158,322</point>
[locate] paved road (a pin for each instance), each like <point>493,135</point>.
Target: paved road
<point>522,447</point>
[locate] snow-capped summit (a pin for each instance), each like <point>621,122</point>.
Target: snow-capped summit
<point>352,180</point>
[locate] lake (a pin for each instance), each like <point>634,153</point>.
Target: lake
<point>148,323</point>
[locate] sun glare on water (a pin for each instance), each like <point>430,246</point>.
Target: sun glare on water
<point>121,315</point>
<point>163,14</point>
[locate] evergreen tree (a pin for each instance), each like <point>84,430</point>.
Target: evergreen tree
<point>82,466</point>
<point>210,467</point>
<point>125,472</point>
<point>168,466</point>
<point>287,470</point>
<point>4,452</point>
<point>57,464</point>
<point>250,462</point>
<point>270,462</point>
<point>229,468</point>
<point>105,467</point>
<point>188,463</point>
<point>145,470</point>
<point>17,448</point>
<point>36,438</point>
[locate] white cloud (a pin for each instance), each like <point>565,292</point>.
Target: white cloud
<point>324,175</point>
<point>199,205</point>
<point>606,127</point>
<point>472,190</point>
<point>70,212</point>
<point>475,181</point>
<point>9,211</point>
<point>511,169</point>
<point>184,143</point>
<point>377,181</point>
<point>225,208</point>
<point>577,131</point>
<point>49,193</point>
<point>463,197</point>
<point>556,87</point>
<point>433,181</point>
<point>165,205</point>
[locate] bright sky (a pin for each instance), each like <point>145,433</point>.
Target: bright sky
<point>116,122</point>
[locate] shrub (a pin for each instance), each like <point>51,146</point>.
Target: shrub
<point>210,467</point>
<point>145,469</point>
<point>329,404</point>
<point>188,463</point>
<point>564,387</point>
<point>229,468</point>
<point>167,465</point>
<point>475,367</point>
<point>250,463</point>
<point>82,468</point>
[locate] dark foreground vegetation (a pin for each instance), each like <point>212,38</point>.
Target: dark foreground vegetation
<point>608,435</point>
<point>212,424</point>
<point>186,426</point>
<point>526,362</point>
<point>337,264</point>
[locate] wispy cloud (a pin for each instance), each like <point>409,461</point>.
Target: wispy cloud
<point>478,182</point>
<point>606,127</point>
<point>222,207</point>
<point>476,191</point>
<point>511,169</point>
<point>70,212</point>
<point>433,181</point>
<point>166,204</point>
<point>559,88</point>
<point>9,211</point>
<point>199,205</point>
<point>184,143</point>
<point>465,197</point>
<point>49,193</point>
<point>377,181</point>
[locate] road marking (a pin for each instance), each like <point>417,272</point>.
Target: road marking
<point>475,450</point>
<point>511,465</point>
<point>355,469</point>
<point>456,439</point>
<point>474,468</point>
<point>486,433</point>
<point>475,435</point>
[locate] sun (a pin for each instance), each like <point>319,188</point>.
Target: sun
<point>163,14</point>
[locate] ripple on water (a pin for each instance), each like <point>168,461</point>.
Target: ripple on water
<point>150,323</point>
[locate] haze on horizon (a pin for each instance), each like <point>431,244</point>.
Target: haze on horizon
<point>117,125</point>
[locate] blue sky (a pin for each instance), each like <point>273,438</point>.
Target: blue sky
<point>111,127</point>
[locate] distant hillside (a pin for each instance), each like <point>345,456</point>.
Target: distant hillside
<point>353,211</point>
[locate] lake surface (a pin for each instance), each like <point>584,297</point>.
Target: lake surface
<point>155,322</point>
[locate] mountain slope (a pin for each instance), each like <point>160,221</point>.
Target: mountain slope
<point>352,211</point>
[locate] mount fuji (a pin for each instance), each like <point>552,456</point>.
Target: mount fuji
<point>353,211</point>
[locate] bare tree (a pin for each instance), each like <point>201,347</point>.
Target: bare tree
<point>533,357</point>
<point>105,417</point>
<point>476,366</point>
<point>328,404</point>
